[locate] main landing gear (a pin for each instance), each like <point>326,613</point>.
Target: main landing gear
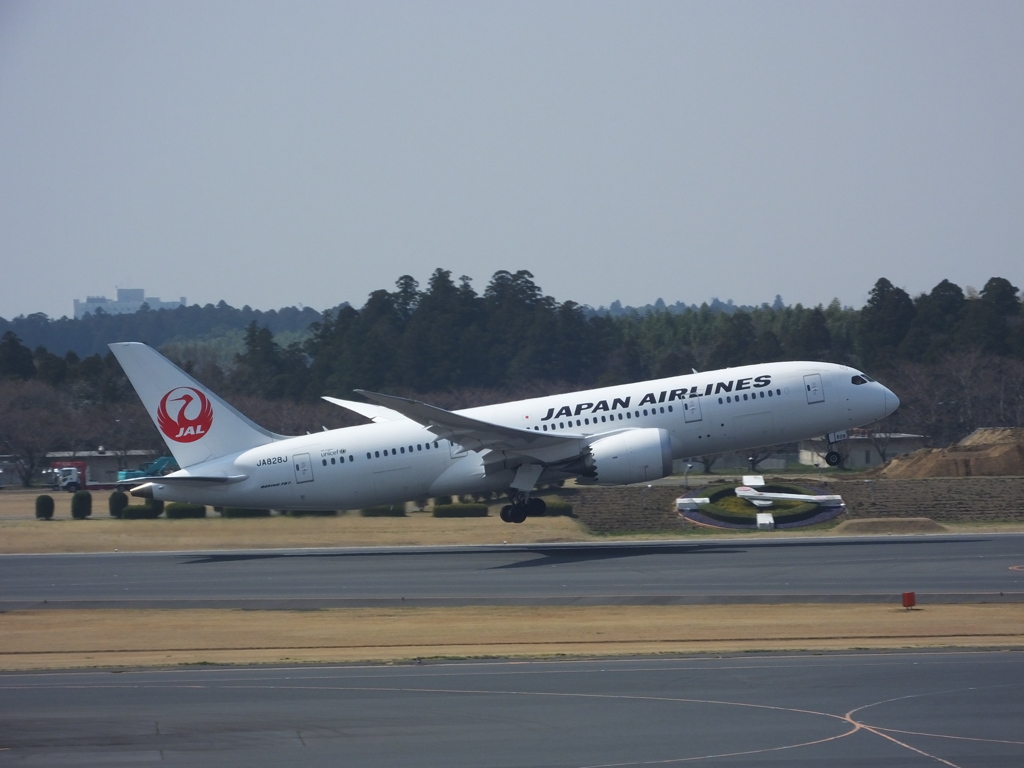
<point>522,507</point>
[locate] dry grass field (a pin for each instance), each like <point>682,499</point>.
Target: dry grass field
<point>21,532</point>
<point>105,638</point>
<point>124,638</point>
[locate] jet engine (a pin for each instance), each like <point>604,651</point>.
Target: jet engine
<point>634,456</point>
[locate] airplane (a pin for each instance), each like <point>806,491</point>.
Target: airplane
<point>618,435</point>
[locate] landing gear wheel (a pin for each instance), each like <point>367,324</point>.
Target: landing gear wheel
<point>536,508</point>
<point>832,459</point>
<point>513,513</point>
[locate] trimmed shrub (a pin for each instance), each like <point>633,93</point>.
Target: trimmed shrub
<point>178,510</point>
<point>81,505</point>
<point>140,512</point>
<point>117,502</point>
<point>156,504</point>
<point>392,510</point>
<point>460,510</point>
<point>443,500</point>
<point>44,507</point>
<point>311,512</point>
<point>244,512</point>
<point>558,507</point>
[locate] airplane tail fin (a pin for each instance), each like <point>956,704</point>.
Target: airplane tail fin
<point>196,424</point>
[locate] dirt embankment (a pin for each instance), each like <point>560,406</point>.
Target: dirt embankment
<point>986,452</point>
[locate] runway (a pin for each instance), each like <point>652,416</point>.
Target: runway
<point>896,709</point>
<point>956,709</point>
<point>971,568</point>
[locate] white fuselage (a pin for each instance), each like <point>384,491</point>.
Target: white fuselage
<point>393,461</point>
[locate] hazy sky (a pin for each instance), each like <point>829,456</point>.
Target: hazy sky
<point>272,153</point>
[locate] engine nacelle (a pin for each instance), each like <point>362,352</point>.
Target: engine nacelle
<point>635,456</point>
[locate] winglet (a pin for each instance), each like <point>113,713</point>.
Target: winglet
<point>376,413</point>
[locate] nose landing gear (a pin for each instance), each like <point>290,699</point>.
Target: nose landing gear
<point>833,457</point>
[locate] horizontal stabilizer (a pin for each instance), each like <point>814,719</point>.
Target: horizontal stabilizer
<point>144,489</point>
<point>185,479</point>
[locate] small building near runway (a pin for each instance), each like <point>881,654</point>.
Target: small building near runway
<point>862,449</point>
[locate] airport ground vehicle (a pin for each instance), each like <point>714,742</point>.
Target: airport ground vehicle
<point>73,476</point>
<point>155,468</point>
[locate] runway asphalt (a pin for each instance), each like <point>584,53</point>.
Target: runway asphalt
<point>958,568</point>
<point>957,709</point>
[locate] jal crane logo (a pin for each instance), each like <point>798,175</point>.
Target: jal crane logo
<point>185,415</point>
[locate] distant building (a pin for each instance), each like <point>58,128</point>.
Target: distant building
<point>860,449</point>
<point>129,300</point>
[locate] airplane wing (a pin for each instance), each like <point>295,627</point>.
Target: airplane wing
<point>477,435</point>
<point>376,413</point>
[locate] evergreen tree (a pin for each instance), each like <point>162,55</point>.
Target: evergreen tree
<point>15,358</point>
<point>884,322</point>
<point>991,319</point>
<point>937,316</point>
<point>810,339</point>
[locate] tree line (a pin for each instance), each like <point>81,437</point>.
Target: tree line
<point>954,356</point>
<point>90,334</point>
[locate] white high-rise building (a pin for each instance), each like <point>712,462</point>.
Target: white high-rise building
<point>128,300</point>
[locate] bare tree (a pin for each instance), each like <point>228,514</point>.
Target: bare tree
<point>708,461</point>
<point>758,455</point>
<point>32,423</point>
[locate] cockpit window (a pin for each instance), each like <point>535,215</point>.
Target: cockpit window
<point>858,379</point>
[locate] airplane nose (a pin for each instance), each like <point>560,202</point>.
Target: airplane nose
<point>891,401</point>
